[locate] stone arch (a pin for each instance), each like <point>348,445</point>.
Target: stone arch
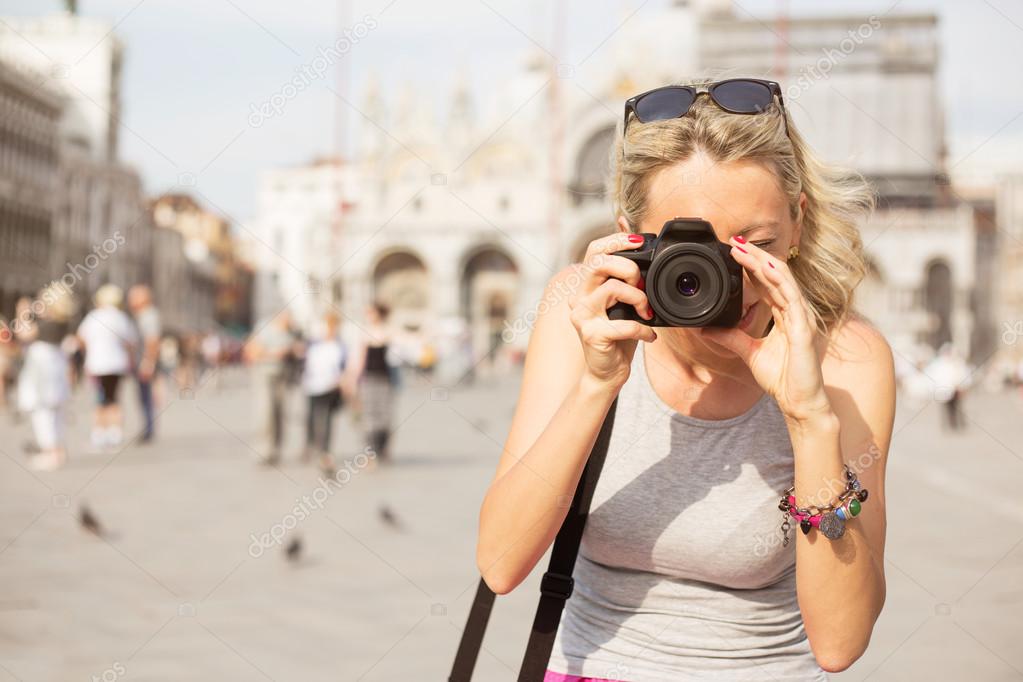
<point>592,166</point>
<point>489,289</point>
<point>938,293</point>
<point>400,280</point>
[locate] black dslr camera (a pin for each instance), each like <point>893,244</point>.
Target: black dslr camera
<point>691,278</point>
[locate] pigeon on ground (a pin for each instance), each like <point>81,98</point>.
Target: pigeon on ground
<point>389,517</point>
<point>293,552</point>
<point>89,521</point>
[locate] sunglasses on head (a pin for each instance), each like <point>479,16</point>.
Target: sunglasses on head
<point>736,95</point>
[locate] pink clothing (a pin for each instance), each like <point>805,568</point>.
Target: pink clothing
<point>552,676</point>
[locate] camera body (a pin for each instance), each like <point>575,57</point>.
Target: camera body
<point>691,278</point>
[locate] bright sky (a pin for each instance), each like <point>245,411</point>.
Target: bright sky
<point>194,68</point>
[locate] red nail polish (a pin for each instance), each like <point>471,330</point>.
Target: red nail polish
<point>636,238</point>
<point>649,315</point>
<point>641,284</point>
<point>739,238</point>
<point>743,250</point>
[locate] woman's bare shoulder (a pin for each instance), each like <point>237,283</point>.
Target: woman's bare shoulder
<point>859,374</point>
<point>854,344</point>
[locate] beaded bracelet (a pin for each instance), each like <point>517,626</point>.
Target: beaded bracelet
<point>829,519</point>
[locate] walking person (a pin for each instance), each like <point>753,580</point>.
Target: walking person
<point>372,379</point>
<point>44,383</point>
<point>110,340</point>
<point>685,571</point>
<point>950,375</point>
<point>147,322</point>
<point>325,359</point>
<point>8,351</point>
<point>267,354</point>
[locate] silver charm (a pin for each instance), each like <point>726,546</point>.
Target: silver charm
<point>832,526</point>
<point>785,525</point>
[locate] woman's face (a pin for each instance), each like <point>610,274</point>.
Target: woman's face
<point>736,198</point>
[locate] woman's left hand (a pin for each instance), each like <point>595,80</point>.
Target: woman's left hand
<point>786,362</point>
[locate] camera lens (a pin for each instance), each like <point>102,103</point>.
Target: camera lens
<point>688,284</point>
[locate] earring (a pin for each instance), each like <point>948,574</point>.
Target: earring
<point>793,252</point>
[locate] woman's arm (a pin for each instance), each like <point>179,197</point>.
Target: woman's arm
<point>576,363</point>
<point>841,583</point>
<point>838,397</point>
<point>556,421</point>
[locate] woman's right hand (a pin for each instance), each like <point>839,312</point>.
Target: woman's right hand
<point>608,345</point>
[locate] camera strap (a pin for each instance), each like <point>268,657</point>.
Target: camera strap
<point>555,587</point>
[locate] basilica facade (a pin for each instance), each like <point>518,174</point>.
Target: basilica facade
<point>458,224</point>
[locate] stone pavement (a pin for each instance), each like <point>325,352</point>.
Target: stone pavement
<point>181,587</point>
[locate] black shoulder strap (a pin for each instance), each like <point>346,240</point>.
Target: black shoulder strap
<point>555,587</point>
<point>472,635</point>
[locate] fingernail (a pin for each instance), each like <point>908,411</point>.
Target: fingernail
<point>770,263</point>
<point>641,284</point>
<point>636,238</point>
<point>743,250</point>
<point>739,238</point>
<point>649,315</point>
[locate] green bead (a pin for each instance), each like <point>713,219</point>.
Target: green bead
<point>854,506</point>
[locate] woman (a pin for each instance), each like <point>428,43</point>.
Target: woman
<point>109,339</point>
<point>44,384</point>
<point>684,572</point>
<point>371,377</point>
<point>321,380</point>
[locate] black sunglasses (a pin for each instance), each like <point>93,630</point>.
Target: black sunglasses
<point>736,95</point>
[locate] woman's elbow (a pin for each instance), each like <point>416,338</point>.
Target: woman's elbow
<point>498,578</point>
<point>835,659</point>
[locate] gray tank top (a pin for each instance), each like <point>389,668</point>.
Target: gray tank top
<point>681,573</point>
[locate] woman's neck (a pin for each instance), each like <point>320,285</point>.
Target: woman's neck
<point>696,381</point>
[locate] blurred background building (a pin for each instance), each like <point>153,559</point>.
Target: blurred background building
<point>29,117</point>
<point>71,210</point>
<point>459,222</point>
<point>457,219</point>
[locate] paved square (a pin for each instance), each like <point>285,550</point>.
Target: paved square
<point>186,583</point>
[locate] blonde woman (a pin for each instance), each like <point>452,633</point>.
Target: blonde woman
<point>684,570</point>
<point>110,340</point>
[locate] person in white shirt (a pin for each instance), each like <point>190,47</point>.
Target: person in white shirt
<point>321,381</point>
<point>44,384</point>
<point>109,338</point>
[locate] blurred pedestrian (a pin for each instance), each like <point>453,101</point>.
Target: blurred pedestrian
<point>211,350</point>
<point>72,348</point>
<point>8,349</point>
<point>44,383</point>
<point>371,378</point>
<point>147,322</point>
<point>109,339</point>
<point>949,373</point>
<point>325,359</point>
<point>188,361</point>
<point>266,353</point>
<point>168,365</point>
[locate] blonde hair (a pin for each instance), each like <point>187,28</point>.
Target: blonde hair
<point>109,295</point>
<point>830,262</point>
